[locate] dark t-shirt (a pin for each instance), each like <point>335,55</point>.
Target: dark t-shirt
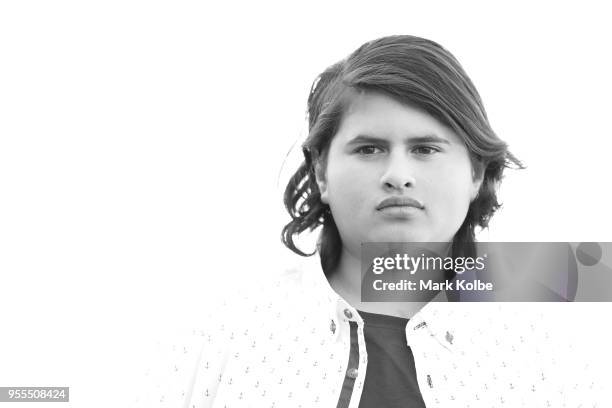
<point>391,374</point>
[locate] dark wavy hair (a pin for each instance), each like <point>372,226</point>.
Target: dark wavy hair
<point>419,73</point>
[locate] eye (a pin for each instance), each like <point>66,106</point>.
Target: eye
<point>368,150</point>
<point>426,150</point>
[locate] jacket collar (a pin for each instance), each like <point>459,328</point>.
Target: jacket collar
<point>435,319</point>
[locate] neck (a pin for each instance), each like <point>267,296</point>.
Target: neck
<point>346,281</point>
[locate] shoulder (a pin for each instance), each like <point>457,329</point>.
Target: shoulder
<point>246,310</point>
<point>523,345</point>
<point>265,292</point>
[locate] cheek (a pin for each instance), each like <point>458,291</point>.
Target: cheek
<point>346,191</point>
<point>349,188</point>
<point>451,189</point>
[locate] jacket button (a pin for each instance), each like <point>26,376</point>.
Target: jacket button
<point>348,314</point>
<point>352,373</point>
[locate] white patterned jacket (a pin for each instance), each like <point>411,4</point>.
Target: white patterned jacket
<point>288,344</point>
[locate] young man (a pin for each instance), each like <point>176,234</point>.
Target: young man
<point>399,150</point>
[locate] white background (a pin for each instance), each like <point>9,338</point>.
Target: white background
<point>142,148</point>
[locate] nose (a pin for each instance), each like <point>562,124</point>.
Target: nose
<point>399,174</point>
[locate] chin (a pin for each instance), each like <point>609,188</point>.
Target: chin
<point>399,236</point>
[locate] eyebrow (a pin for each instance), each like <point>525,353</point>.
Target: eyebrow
<point>410,140</point>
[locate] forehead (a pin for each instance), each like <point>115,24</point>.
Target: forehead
<point>382,116</point>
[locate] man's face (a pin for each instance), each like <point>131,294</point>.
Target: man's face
<point>385,149</point>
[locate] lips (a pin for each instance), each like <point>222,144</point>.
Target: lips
<point>399,202</point>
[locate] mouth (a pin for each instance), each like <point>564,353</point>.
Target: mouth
<point>399,202</point>
<point>402,208</point>
<point>400,211</point>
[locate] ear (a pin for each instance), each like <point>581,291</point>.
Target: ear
<point>477,180</point>
<point>321,181</point>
